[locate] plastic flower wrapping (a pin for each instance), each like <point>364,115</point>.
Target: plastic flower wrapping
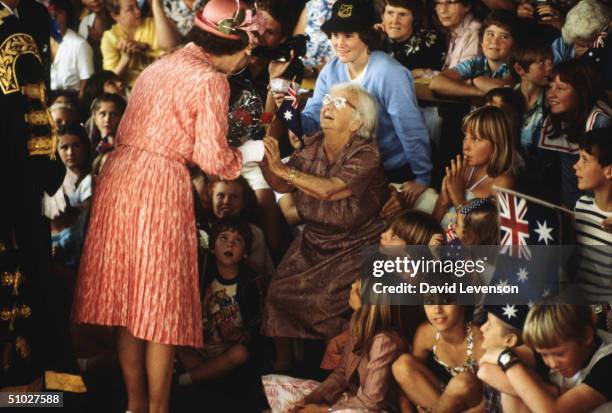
<point>246,108</point>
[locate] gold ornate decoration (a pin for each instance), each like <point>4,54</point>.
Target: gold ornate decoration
<point>12,280</point>
<point>41,145</point>
<point>37,118</point>
<point>10,51</point>
<point>4,12</point>
<point>35,91</point>
<point>22,311</point>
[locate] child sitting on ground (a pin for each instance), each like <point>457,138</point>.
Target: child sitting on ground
<point>374,342</point>
<point>579,357</point>
<point>503,329</point>
<point>440,373</point>
<point>409,228</point>
<point>231,306</point>
<point>477,75</point>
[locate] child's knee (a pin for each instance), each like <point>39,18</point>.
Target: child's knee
<point>238,354</point>
<point>465,384</point>
<point>404,366</point>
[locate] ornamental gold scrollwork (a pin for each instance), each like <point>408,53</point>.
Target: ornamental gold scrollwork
<point>13,280</point>
<point>10,51</point>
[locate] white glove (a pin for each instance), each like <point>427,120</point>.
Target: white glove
<point>252,151</point>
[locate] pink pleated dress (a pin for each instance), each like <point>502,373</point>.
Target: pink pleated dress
<point>139,263</point>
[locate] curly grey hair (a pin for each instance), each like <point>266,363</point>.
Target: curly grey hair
<point>585,20</point>
<point>366,108</point>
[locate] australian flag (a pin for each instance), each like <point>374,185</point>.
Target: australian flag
<point>289,113</point>
<point>526,221</point>
<point>530,257</point>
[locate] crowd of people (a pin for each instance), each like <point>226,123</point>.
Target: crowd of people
<point>209,255</point>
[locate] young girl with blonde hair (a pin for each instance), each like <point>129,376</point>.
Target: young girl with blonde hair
<point>489,159</point>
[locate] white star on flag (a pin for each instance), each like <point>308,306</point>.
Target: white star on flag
<point>522,274</point>
<point>546,293</point>
<point>510,311</point>
<point>543,232</point>
<point>287,115</point>
<point>503,283</point>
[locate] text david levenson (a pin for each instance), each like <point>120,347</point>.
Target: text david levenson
<point>447,288</point>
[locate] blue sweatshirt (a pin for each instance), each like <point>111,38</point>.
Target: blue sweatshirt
<point>402,135</point>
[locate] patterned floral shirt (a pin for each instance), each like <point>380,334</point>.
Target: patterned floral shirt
<point>318,50</point>
<point>425,49</point>
<point>178,12</point>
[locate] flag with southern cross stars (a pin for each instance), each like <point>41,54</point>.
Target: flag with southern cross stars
<point>289,113</point>
<point>529,259</point>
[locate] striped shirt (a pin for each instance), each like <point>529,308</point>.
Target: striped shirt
<point>595,268</point>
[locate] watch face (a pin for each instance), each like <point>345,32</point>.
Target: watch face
<point>504,358</point>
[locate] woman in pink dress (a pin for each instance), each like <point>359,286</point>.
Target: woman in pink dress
<point>139,266</point>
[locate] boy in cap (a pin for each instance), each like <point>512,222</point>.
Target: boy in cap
<point>578,355</point>
<point>503,329</point>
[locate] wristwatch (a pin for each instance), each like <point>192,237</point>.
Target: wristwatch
<point>507,359</point>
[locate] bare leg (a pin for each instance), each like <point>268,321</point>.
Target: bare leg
<point>463,392</point>
<point>404,404</point>
<point>511,404</point>
<point>221,365</point>
<point>159,359</point>
<point>271,221</point>
<point>131,352</point>
<point>416,381</point>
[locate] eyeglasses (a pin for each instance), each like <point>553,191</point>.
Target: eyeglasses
<point>339,102</point>
<point>448,3</point>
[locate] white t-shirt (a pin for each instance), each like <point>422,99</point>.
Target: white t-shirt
<point>86,23</point>
<point>73,62</point>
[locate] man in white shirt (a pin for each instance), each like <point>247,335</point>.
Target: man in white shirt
<point>72,58</point>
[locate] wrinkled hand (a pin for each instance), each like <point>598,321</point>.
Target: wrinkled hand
<point>455,181</point>
<point>272,157</point>
<point>411,191</point>
<point>393,205</point>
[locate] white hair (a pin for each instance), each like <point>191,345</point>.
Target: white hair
<point>585,20</point>
<point>366,108</point>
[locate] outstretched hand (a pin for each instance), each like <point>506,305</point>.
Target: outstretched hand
<point>272,156</point>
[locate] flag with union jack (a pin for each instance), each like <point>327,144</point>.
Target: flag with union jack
<point>525,221</point>
<point>289,113</point>
<point>528,225</point>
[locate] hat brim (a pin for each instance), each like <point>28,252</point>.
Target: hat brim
<point>335,25</point>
